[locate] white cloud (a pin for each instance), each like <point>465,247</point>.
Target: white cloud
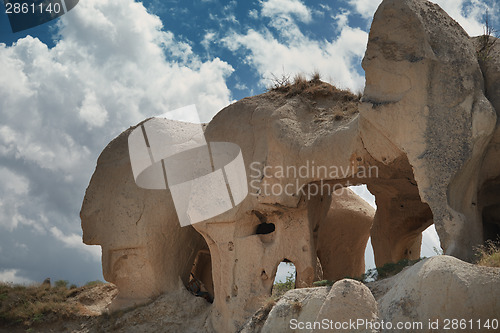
<point>366,8</point>
<point>363,192</point>
<point>286,8</point>
<point>336,60</point>
<point>11,276</point>
<point>253,13</point>
<point>468,14</point>
<point>341,19</point>
<point>13,183</point>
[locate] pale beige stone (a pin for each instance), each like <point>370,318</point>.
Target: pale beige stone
<point>424,94</point>
<point>425,126</point>
<point>440,288</point>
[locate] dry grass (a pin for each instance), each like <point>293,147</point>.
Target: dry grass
<point>30,305</point>
<point>310,88</point>
<point>489,254</point>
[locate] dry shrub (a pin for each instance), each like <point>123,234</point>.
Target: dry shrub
<point>310,88</point>
<point>489,254</point>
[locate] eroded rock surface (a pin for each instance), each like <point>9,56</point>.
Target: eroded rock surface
<point>425,95</point>
<point>441,288</point>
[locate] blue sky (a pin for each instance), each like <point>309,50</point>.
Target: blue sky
<point>69,86</point>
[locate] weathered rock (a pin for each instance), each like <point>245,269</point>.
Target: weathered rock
<point>144,250</point>
<point>441,288</point>
<point>424,96</point>
<point>299,305</point>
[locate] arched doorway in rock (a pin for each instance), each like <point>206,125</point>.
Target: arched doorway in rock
<point>284,278</point>
<point>394,228</point>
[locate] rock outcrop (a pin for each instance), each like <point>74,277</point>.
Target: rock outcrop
<point>439,289</point>
<point>318,309</point>
<point>426,143</point>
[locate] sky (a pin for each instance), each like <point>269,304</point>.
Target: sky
<point>70,86</point>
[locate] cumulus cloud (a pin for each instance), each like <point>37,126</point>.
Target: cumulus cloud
<point>366,8</point>
<point>12,276</point>
<point>286,9</point>
<point>469,14</point>
<point>111,67</point>
<point>270,54</point>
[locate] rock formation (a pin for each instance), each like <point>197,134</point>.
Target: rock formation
<point>425,141</point>
<point>425,95</point>
<point>442,288</point>
<point>144,250</point>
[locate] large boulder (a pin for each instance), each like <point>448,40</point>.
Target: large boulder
<point>439,289</point>
<point>347,302</point>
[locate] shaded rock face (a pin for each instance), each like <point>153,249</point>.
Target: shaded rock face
<point>425,142</point>
<point>489,191</point>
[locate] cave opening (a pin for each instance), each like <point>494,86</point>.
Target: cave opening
<point>200,278</point>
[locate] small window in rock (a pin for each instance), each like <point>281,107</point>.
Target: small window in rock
<point>265,228</point>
